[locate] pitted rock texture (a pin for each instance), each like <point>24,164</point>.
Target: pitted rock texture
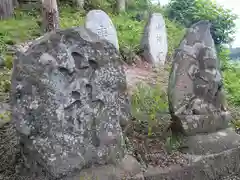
<point>154,41</point>
<point>101,24</point>
<point>211,143</point>
<point>196,85</point>
<point>69,102</point>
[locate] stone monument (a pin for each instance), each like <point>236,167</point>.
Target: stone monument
<point>69,103</point>
<point>198,108</point>
<point>154,41</point>
<point>100,23</point>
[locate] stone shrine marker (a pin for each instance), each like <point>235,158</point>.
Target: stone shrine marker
<point>100,23</point>
<point>68,101</point>
<point>154,41</point>
<point>196,95</point>
<point>198,108</point>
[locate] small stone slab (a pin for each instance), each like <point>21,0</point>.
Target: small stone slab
<point>100,23</point>
<point>212,143</point>
<point>154,41</point>
<point>193,124</point>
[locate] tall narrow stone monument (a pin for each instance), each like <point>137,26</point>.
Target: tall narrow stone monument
<point>198,108</point>
<point>154,41</point>
<point>101,24</point>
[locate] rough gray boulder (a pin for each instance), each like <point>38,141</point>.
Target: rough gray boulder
<point>100,23</point>
<point>196,96</point>
<point>69,102</point>
<point>154,41</point>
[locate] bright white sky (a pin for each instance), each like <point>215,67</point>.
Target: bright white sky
<point>234,5</point>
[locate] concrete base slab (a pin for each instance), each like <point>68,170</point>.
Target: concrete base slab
<point>212,156</point>
<point>209,167</point>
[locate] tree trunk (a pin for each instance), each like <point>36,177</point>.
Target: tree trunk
<point>80,4</point>
<point>15,3</point>
<point>121,5</point>
<point>50,15</point>
<point>6,9</point>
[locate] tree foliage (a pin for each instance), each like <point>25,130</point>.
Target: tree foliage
<point>138,4</point>
<point>188,12</point>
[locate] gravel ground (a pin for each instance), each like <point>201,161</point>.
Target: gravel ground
<point>153,151</point>
<point>231,177</point>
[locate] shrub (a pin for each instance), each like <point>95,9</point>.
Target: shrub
<point>175,33</point>
<point>136,5</point>
<point>231,75</point>
<point>149,104</point>
<point>188,12</point>
<point>129,32</point>
<point>149,100</point>
<point>106,5</point>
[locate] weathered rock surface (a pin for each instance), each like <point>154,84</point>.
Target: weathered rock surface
<point>210,167</point>
<point>128,169</point>
<point>8,147</point>
<point>231,177</point>
<point>69,102</point>
<point>212,143</point>
<point>196,98</point>
<point>198,108</point>
<point>154,41</point>
<point>100,23</point>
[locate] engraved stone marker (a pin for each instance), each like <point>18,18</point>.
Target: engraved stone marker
<point>198,108</point>
<point>100,23</point>
<point>154,41</point>
<point>68,101</point>
<point>196,97</point>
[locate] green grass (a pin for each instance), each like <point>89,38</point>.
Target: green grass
<point>231,75</point>
<point>148,105</point>
<point>232,84</point>
<point>16,30</point>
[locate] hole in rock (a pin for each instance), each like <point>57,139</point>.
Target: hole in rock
<point>89,90</point>
<point>63,70</point>
<point>97,105</point>
<point>75,94</point>
<point>76,104</point>
<point>95,139</point>
<point>93,64</point>
<point>79,60</point>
